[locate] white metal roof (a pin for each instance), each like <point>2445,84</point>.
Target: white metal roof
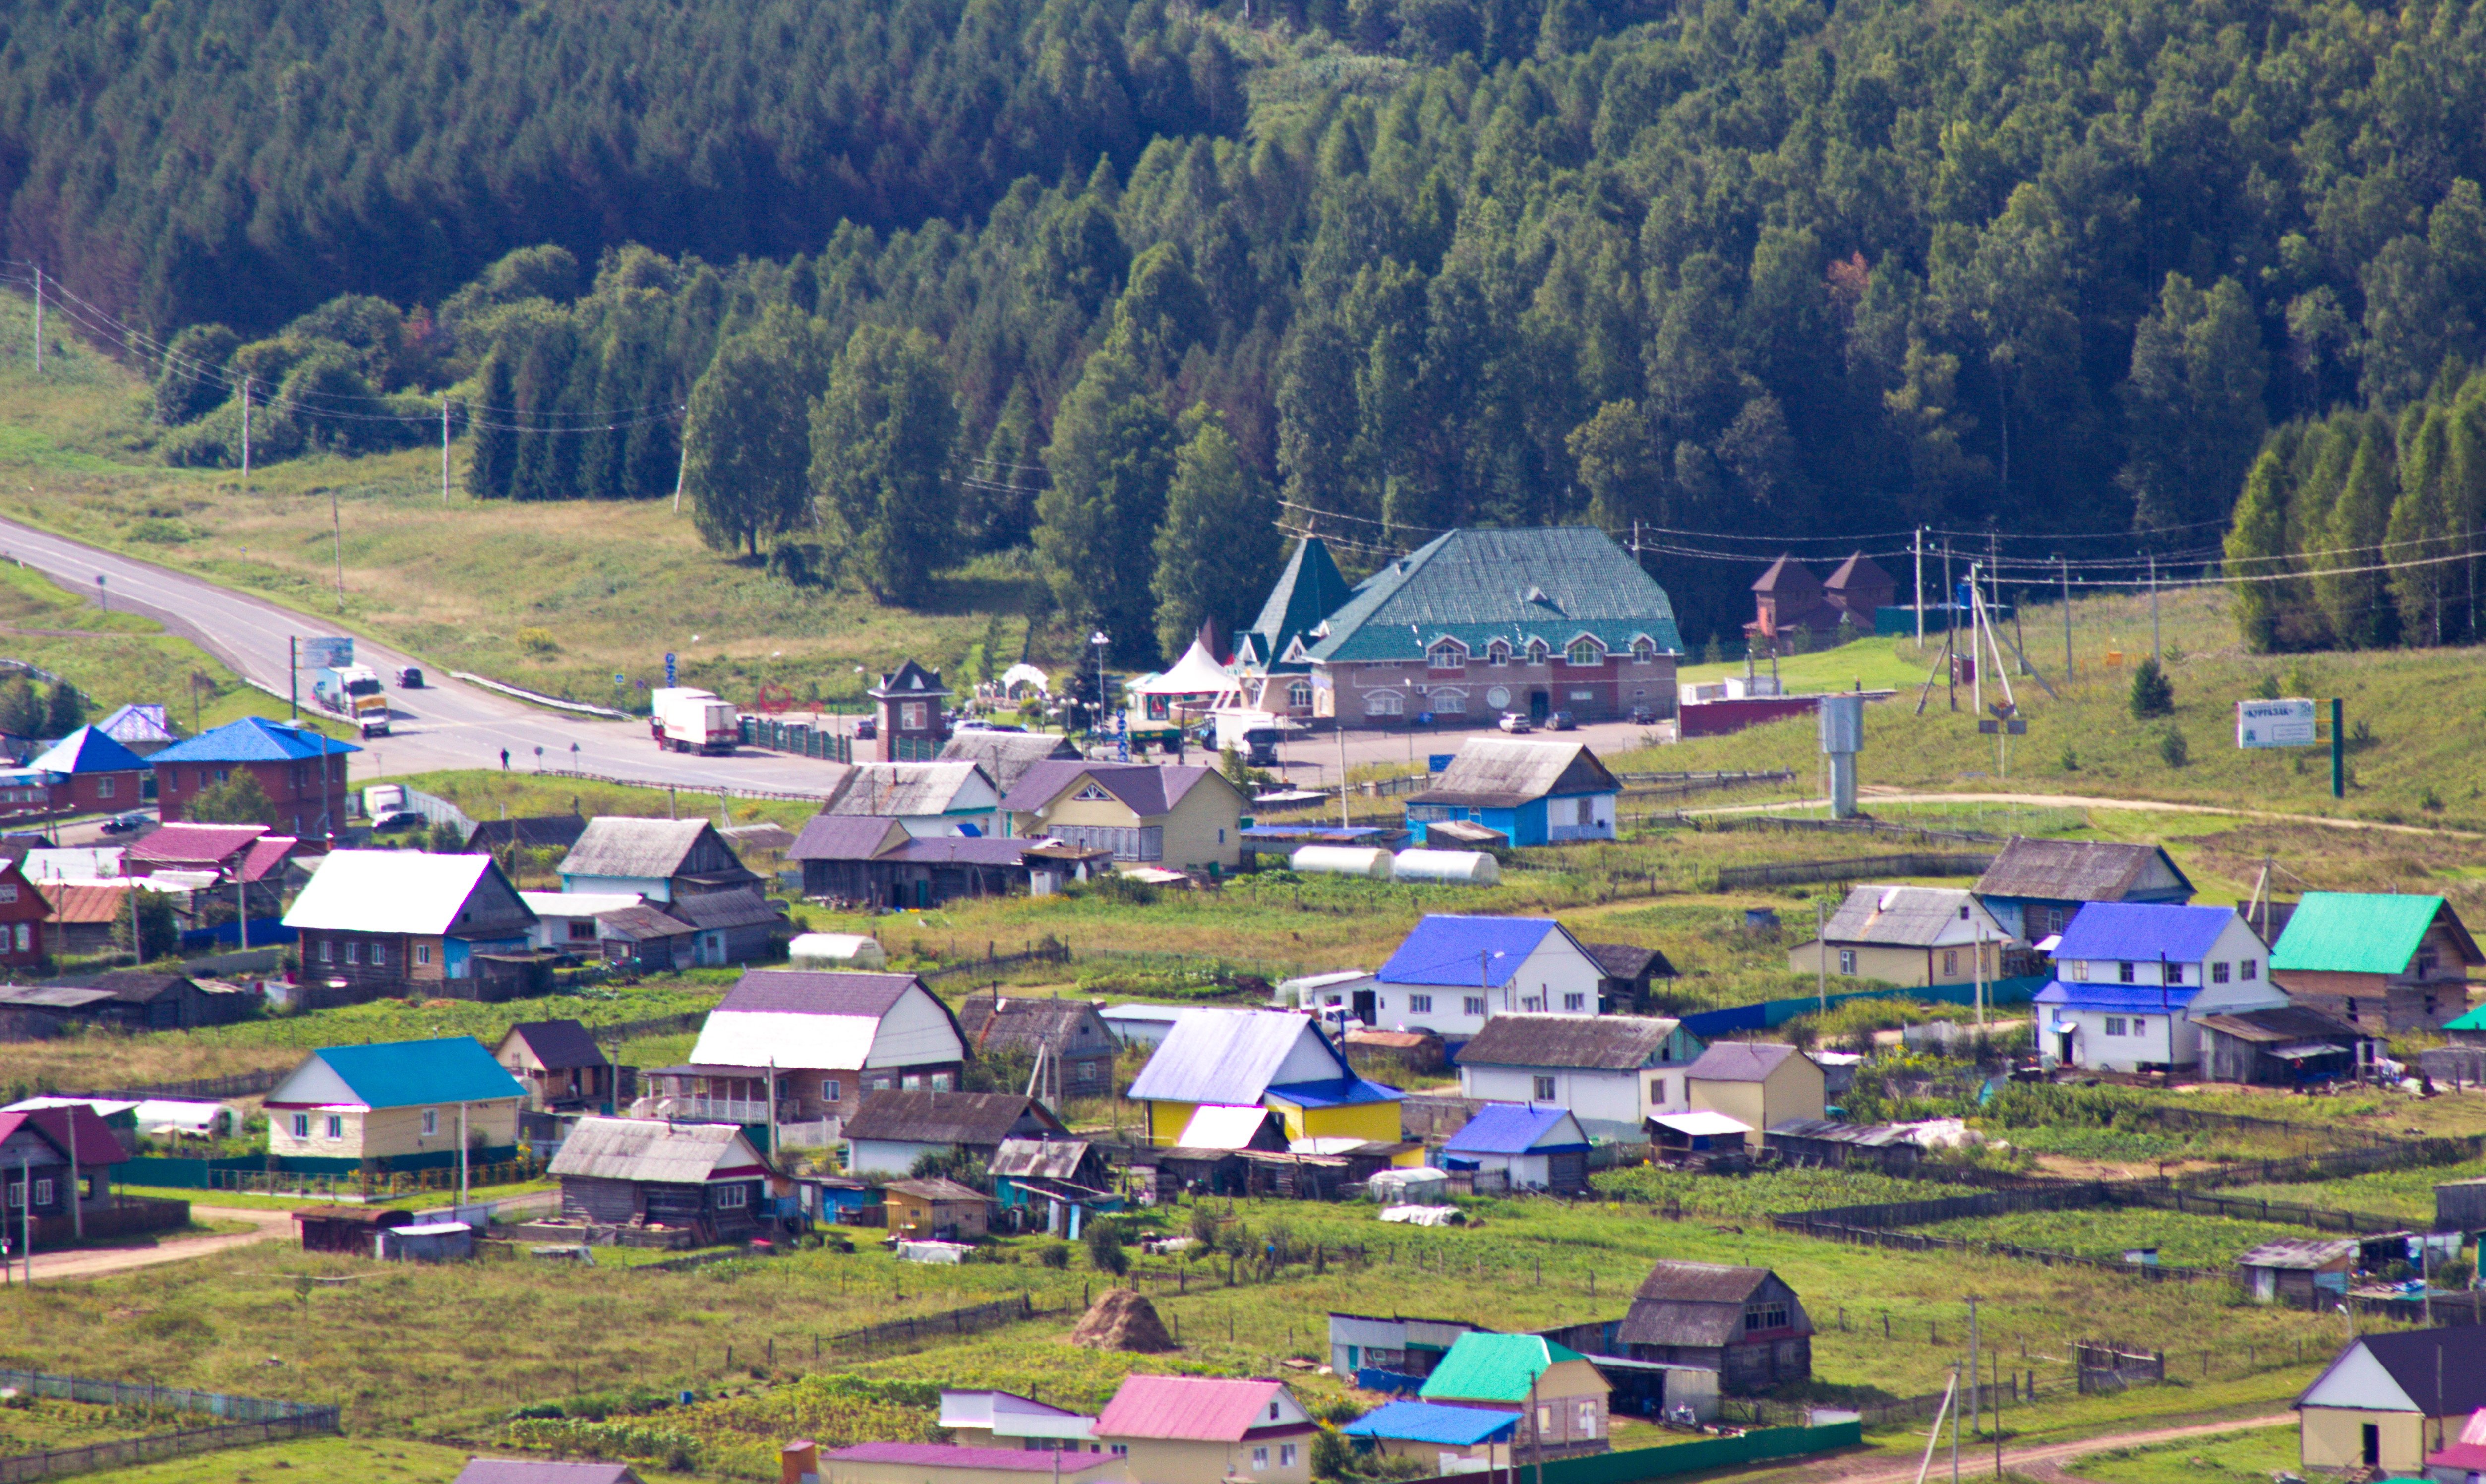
<point>1221,1126</point>
<point>387,892</point>
<point>1700,1124</point>
<point>578,904</point>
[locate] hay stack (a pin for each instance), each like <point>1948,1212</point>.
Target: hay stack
<point>1123,1320</point>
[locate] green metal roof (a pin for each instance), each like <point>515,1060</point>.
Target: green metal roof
<point>1552,583</point>
<point>2353,932</point>
<point>2475,1020</point>
<point>1494,1367</point>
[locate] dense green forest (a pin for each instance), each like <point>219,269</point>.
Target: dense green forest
<point>1124,284</point>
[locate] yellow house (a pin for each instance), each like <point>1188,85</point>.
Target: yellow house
<point>1163,815</point>
<point>1906,935</point>
<point>2388,1400</point>
<point>1760,1083</point>
<point>1206,1430</point>
<point>397,1101</point>
<point>1269,1059</point>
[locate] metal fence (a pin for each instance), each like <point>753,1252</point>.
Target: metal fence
<point>245,1419</point>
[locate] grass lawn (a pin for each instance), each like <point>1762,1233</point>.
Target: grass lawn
<point>2251,1457</point>
<point>329,1461</point>
<point>2182,1240</point>
<point>2406,1195</point>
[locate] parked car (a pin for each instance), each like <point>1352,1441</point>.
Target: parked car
<point>1643,716</point>
<point>127,821</point>
<point>411,678</point>
<point>1561,721</point>
<point>1514,722</point>
<point>867,729</point>
<point>397,822</point>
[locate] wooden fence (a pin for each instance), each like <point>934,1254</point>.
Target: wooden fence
<point>970,1320</point>
<point>249,1419</point>
<point>1926,1242</point>
<point>239,1084</point>
<point>1912,864</point>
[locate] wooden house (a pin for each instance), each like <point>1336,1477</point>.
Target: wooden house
<point>2034,886</point>
<point>385,923</point>
<point>1611,1071</point>
<point>1760,1084</point>
<point>936,1210</point>
<point>645,939</point>
<point>873,859</point>
<point>1628,971</point>
<point>704,1178</point>
<point>2298,1271</point>
<point>824,1040</point>
<point>57,1163</point>
<point>533,831</point>
<point>25,917</point>
<point>1906,935</point>
<point>1271,1058</point>
<point>86,914</point>
<point>2382,963</point>
<point>1532,792</point>
<point>148,1000</point>
<point>1557,1396</point>
<point>2386,1401</point>
<point>930,799</point>
<point>565,921</point>
<point>894,1129</point>
<point>559,1065</point>
<point>406,1102</point>
<point>1077,1047</point>
<point>302,771</point>
<point>660,860</point>
<point>1163,814</point>
<point>1745,1324</point>
<point>730,927</point>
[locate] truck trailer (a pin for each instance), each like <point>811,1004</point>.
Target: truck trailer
<point>686,720</point>
<point>354,690</point>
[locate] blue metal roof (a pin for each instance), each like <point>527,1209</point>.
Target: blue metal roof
<point>2141,932</point>
<point>2135,999</point>
<point>399,1074</point>
<point>1335,1094</point>
<point>1472,952</point>
<point>1433,1422</point>
<point>89,750</point>
<point>252,739</point>
<point>1515,1127</point>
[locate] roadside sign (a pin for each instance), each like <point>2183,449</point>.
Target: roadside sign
<point>328,653</point>
<point>2284,723</point>
<point>669,668</point>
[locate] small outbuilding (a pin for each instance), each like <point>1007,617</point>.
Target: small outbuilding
<point>1538,1146</point>
<point>559,1065</point>
<point>1758,1084</point>
<point>1448,1440</point>
<point>1628,970</point>
<point>2280,1046</point>
<point>730,927</point>
<point>1512,1373</point>
<point>349,1231</point>
<point>427,1242</point>
<point>1076,1046</point>
<point>645,939</point>
<point>2388,1400</point>
<point>2298,1271</point>
<point>936,1210</point>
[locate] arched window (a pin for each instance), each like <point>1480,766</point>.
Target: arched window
<point>1536,651</point>
<point>1585,652</point>
<point>1497,653</point>
<point>1383,703</point>
<point>1643,649</point>
<point>1299,696</point>
<point>1446,654</point>
<point>1446,699</point>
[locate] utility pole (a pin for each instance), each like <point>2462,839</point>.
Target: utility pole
<point>1820,958</point>
<point>1919,544</point>
<point>682,468</point>
<point>337,533</point>
<point>39,319</point>
<point>2153,611</point>
<point>1976,1393</point>
<point>245,435</point>
<point>293,678</point>
<point>1977,666</point>
<point>1951,627</point>
<point>444,448</point>
<point>2067,620</point>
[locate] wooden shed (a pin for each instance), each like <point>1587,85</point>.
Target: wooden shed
<point>352,1231</point>
<point>640,1172</point>
<point>2298,1270</point>
<point>936,1210</point>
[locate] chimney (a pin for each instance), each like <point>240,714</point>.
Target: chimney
<point>802,1461</point>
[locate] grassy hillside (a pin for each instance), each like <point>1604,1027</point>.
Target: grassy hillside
<point>561,596</point>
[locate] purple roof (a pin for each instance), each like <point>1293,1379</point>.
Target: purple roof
<point>2141,931</point>
<point>840,838</point>
<point>951,1455</point>
<point>1148,788</point>
<point>804,992</point>
<point>934,849</point>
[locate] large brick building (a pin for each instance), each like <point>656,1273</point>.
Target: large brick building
<point>84,772</point>
<point>302,771</point>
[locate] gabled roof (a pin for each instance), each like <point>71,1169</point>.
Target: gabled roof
<point>397,1074</point>
<point>2439,1372</point>
<point>89,750</point>
<point>1551,583</point>
<point>1219,1126</point>
<point>2301,1254</point>
<point>1698,1303</point>
<point>138,721</point>
<point>623,845</point>
<point>577,904</point>
<point>813,992</point>
<point>2281,1025</point>
<point>1517,1128</point>
<point>964,1118</point>
<point>2141,932</point>
<point>908,679</point>
<point>1195,1409</point>
<point>1700,1283</point>
<point>2363,932</point>
<point>742,907</point>
<point>1629,960</point>
<point>540,832</point>
<point>997,1022</point>
<point>1911,918</point>
<point>1615,1043</point>
<point>640,924</point>
<point>559,1044</point>
<point>1506,772</point>
<point>192,845</point>
<point>1147,789</point>
<point>133,986</point>
<point>1309,590</point>
<point>1788,577</point>
<point>1451,949</point>
<point>2072,870</point>
<point>1741,1061</point>
<point>85,901</point>
<point>651,1150</point>
<point>394,892</point>
<point>1040,1158</point>
<point>892,790</point>
<point>266,855</point>
<point>1858,573</point>
<point>1455,1427</point>
<point>846,837</point>
<point>1232,1056</point>
<point>1494,1367</point>
<point>936,1189</point>
<point>1005,755</point>
<point>1196,674</point>
<point>252,739</point>
<point>800,1018</point>
<point>61,1126</point>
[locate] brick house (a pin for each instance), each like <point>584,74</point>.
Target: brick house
<point>24,917</point>
<point>914,723</point>
<point>302,771</point>
<point>382,922</point>
<point>94,774</point>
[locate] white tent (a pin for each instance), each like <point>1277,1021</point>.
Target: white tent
<point>1196,674</point>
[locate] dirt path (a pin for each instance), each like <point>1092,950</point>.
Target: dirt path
<point>96,1262</point>
<point>2043,1461</point>
<point>1870,795</point>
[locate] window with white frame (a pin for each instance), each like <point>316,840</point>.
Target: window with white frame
<point>1587,1418</point>
<point>42,1193</point>
<point>336,1125</point>
<point>1541,1089</point>
<point>1497,654</point>
<point>732,1198</point>
<point>832,1091</point>
<point>1383,703</point>
<point>1446,654</point>
<point>1643,650</point>
<point>431,1122</point>
<point>1950,960</point>
<point>2114,1024</point>
<point>353,953</point>
<point>1585,652</point>
<point>379,954</point>
<point>1847,961</point>
<point>1575,1002</point>
<point>2080,970</point>
<point>1419,1004</point>
<point>2139,1025</point>
<point>1298,695</point>
<point>1448,700</point>
<point>1536,651</point>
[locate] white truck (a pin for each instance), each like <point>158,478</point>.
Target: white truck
<point>687,720</point>
<point>355,691</point>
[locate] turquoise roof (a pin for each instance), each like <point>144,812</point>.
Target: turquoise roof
<point>401,1074</point>
<point>1309,590</point>
<point>1552,583</point>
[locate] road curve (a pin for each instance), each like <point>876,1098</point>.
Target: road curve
<point>446,725</point>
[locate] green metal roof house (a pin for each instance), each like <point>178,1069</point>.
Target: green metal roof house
<point>1473,623</point>
<point>1559,1397</point>
<point>2381,962</point>
<point>402,1101</point>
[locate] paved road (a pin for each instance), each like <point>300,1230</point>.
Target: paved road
<point>452,725</point>
<point>96,1262</point>
<point>1879,1471</point>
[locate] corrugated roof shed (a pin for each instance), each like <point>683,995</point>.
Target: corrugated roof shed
<point>392,892</point>
<point>1606,1042</point>
<point>742,907</point>
<point>640,924</point>
<point>1506,772</point>
<point>890,789</point>
<point>2280,1025</point>
<point>1045,1159</point>
<point>967,1118</point>
<point>2304,1255</point>
<point>2361,932</point>
<point>1452,1427</point>
<point>653,1151</point>
<point>846,837</point>
<point>1629,960</point>
<point>2072,870</point>
<point>942,1191</point>
<point>1552,583</point>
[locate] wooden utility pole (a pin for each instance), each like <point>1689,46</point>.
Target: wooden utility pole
<point>337,535</point>
<point>444,448</point>
<point>245,435</point>
<point>39,319</point>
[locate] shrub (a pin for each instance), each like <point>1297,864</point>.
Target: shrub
<point>2151,694</point>
<point>2070,760</point>
<point>1054,1255</point>
<point>1105,1251</point>
<point>537,641</point>
<point>2172,747</point>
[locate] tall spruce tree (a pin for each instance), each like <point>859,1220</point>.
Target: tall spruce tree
<point>2258,551</point>
<point>2418,532</point>
<point>1218,548</point>
<point>1110,461</point>
<point>2352,598</point>
<point>997,505</point>
<point>491,450</point>
<point>883,439</point>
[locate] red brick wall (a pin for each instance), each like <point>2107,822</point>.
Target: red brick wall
<point>302,806</point>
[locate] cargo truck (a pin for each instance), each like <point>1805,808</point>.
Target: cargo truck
<point>354,690</point>
<point>686,720</point>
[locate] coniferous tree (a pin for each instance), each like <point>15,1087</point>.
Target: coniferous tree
<point>2257,552</point>
<point>491,454</point>
<point>2351,596</point>
<point>1110,461</point>
<point>22,711</point>
<point>1219,548</point>
<point>997,505</point>
<point>2417,534</point>
<point>883,438</point>
<point>541,377</point>
<point>67,712</point>
<point>747,443</point>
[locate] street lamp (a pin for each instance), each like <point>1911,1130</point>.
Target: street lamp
<point>1096,721</point>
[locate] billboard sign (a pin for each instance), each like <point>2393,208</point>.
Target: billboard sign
<point>2284,723</point>
<point>328,653</point>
